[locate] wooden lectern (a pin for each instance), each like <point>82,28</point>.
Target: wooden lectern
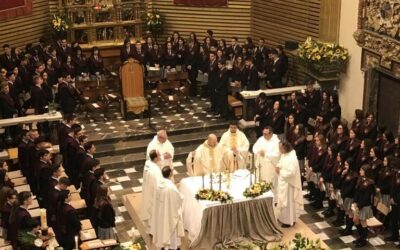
<point>131,73</point>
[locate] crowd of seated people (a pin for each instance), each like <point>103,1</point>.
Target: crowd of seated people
<point>354,166</point>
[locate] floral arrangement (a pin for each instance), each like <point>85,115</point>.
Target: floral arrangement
<point>213,195</point>
<point>257,189</point>
<point>322,55</point>
<point>300,243</point>
<point>154,22</point>
<point>60,23</point>
<point>137,245</point>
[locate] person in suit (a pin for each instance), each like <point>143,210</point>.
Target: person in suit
<point>67,94</point>
<point>276,120</point>
<point>101,178</point>
<point>191,65</point>
<point>80,156</point>
<point>23,157</point>
<point>39,98</point>
<point>149,45</point>
<point>95,62</point>
<point>57,61</point>
<point>63,130</point>
<point>126,51</point>
<point>169,57</point>
<point>212,71</point>
<point>88,157</point>
<point>81,62</point>
<point>15,90</point>
<point>6,212</point>
<point>210,35</point>
<point>155,56</point>
<point>25,74</point>
<point>88,178</point>
<point>105,214</point>
<point>235,49</point>
<point>53,196</point>
<point>68,224</point>
<point>43,175</point>
<point>57,172</point>
<point>7,60</point>
<point>68,66</point>
<point>253,80</point>
<point>139,53</point>
<point>221,90</point>
<point>70,153</point>
<point>312,99</point>
<point>8,108</point>
<point>180,49</point>
<point>278,69</point>
<point>64,50</point>
<point>20,217</point>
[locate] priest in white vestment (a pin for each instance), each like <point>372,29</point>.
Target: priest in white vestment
<point>266,150</point>
<point>168,213</point>
<point>290,197</point>
<point>236,147</point>
<point>151,177</point>
<point>206,158</point>
<point>164,147</point>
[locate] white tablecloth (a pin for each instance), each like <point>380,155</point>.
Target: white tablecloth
<point>193,209</point>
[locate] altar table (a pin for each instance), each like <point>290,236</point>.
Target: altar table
<point>209,223</point>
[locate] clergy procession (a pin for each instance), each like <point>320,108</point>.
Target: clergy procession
<point>163,209</point>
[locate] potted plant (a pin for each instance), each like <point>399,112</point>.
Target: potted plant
<point>60,26</point>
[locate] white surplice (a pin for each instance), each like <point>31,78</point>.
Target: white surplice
<point>270,159</point>
<point>235,140</point>
<point>168,216</point>
<point>151,177</point>
<point>162,148</point>
<point>206,159</point>
<point>290,198</point>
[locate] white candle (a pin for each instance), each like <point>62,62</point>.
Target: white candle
<point>76,243</point>
<point>43,218</point>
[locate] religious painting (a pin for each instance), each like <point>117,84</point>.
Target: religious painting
<point>203,3</point>
<point>14,8</point>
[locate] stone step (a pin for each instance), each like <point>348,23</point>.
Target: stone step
<point>137,146</point>
<point>112,138</point>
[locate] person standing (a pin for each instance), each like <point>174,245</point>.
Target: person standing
<point>163,146</point>
<point>105,214</point>
<point>212,71</point>
<point>290,199</point>
<point>221,90</point>
<point>168,213</point>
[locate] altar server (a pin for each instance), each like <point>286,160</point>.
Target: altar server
<point>236,147</point>
<point>168,213</point>
<point>290,198</point>
<point>151,177</point>
<point>206,158</point>
<point>267,154</point>
<point>164,147</point>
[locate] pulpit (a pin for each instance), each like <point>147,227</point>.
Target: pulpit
<point>132,88</point>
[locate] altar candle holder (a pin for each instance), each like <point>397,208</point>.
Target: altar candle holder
<point>220,181</point>
<point>202,181</point>
<point>211,180</point>
<point>250,168</point>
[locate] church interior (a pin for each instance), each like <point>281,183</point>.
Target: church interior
<point>199,124</point>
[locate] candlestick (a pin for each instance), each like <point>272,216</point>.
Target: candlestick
<point>229,180</point>
<point>76,243</point>
<point>211,181</point>
<point>220,181</point>
<point>43,218</point>
<point>202,180</point>
<point>259,172</point>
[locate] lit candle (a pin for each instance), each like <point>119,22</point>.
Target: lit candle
<point>202,180</point>
<point>43,218</point>
<point>76,243</point>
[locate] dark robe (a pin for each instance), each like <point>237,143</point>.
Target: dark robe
<point>39,100</point>
<point>221,92</point>
<point>68,225</point>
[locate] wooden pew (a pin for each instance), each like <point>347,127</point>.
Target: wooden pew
<point>236,106</point>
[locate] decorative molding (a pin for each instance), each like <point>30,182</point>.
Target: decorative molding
<point>14,8</point>
<point>379,34</point>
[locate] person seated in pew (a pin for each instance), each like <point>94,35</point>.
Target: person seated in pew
<point>126,51</point>
<point>68,223</point>
<point>53,195</point>
<point>6,211</point>
<point>206,158</point>
<point>95,63</point>
<point>169,58</point>
<point>168,213</point>
<point>20,217</point>
<point>236,147</point>
<point>105,214</point>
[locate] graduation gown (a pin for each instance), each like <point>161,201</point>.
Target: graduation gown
<point>168,215</point>
<point>151,176</point>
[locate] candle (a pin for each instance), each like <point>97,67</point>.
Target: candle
<point>220,181</point>
<point>211,181</point>
<point>43,218</point>
<point>76,243</point>
<point>202,180</point>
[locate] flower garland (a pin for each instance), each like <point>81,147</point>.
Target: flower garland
<point>323,54</point>
<point>213,195</point>
<point>60,23</point>
<point>257,189</point>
